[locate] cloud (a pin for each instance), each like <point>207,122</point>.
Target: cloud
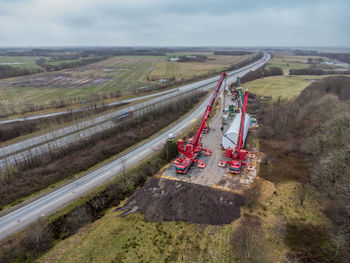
<point>180,22</point>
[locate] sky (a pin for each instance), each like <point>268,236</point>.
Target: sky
<point>175,23</point>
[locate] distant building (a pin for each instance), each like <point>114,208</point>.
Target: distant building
<point>174,59</point>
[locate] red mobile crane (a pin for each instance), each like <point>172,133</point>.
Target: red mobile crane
<point>189,153</point>
<point>238,155</point>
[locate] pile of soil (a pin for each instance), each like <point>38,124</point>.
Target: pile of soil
<point>168,200</point>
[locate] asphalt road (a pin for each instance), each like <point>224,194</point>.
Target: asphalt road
<point>42,116</point>
<point>49,203</point>
<point>37,145</point>
<point>121,102</point>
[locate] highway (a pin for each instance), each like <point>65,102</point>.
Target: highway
<point>116,103</point>
<point>23,216</point>
<point>42,116</point>
<point>37,145</point>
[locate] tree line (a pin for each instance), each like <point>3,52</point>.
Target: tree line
<point>261,73</point>
<point>316,71</point>
<point>73,53</point>
<point>64,65</point>
<point>232,53</point>
<point>7,71</point>
<point>197,58</point>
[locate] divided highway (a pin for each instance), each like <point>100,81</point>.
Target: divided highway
<point>32,147</point>
<point>49,203</point>
<point>116,103</point>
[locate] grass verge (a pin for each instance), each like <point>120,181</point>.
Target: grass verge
<point>281,86</point>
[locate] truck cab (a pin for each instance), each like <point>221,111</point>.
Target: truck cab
<point>185,165</point>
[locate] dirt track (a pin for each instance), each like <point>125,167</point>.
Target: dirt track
<point>168,200</point>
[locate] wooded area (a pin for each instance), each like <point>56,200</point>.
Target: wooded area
<point>314,130</point>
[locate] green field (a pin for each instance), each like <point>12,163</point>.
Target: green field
<point>180,70</point>
<point>130,239</point>
<point>289,62</point>
<point>20,62</point>
<point>281,86</point>
<point>124,73</point>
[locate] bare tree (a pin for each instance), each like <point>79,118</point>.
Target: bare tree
<point>38,237</point>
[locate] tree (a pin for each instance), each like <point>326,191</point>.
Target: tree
<point>38,237</point>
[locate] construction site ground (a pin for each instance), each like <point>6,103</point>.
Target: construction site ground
<point>170,200</point>
<point>204,196</point>
<point>213,175</point>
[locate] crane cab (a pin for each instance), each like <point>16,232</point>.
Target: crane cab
<point>235,167</point>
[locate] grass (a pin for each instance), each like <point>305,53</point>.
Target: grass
<point>132,239</point>
<point>283,86</point>
<point>19,62</point>
<point>287,62</point>
<point>185,70</point>
<point>286,172</point>
<point>55,63</point>
<point>124,73</point>
<point>182,70</point>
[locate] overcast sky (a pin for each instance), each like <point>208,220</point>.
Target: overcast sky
<point>175,22</point>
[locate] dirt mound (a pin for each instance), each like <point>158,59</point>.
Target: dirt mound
<point>168,200</point>
<point>267,189</point>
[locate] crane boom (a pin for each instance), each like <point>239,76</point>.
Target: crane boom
<point>189,152</point>
<point>241,126</point>
<point>240,92</point>
<point>208,110</point>
<point>238,155</point>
